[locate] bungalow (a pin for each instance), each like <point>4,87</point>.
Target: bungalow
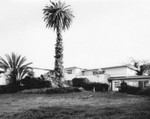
<point>94,75</point>
<point>136,81</point>
<point>110,75</point>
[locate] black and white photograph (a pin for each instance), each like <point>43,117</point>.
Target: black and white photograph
<point>74,59</point>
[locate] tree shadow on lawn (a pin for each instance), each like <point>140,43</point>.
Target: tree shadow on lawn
<point>85,112</point>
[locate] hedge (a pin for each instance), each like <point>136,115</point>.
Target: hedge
<point>87,85</point>
<point>31,83</point>
<point>63,90</point>
<point>9,89</point>
<point>145,91</point>
<point>129,89</point>
<point>96,86</point>
<point>79,82</point>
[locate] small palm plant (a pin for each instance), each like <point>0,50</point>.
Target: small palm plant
<point>16,65</point>
<point>58,16</point>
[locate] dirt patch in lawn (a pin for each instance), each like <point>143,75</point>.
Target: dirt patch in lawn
<point>83,104</point>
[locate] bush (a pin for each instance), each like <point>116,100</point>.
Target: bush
<point>62,90</point>
<point>129,89</point>
<point>97,86</point>
<point>9,89</point>
<point>79,82</point>
<point>31,83</point>
<point>145,91</point>
<point>51,90</point>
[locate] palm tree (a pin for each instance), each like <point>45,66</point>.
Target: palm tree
<point>15,64</point>
<point>58,17</point>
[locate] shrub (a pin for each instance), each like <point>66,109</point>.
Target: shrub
<point>129,89</point>
<point>9,89</point>
<point>51,90</point>
<point>97,86</point>
<point>79,82</point>
<point>145,91</point>
<point>30,83</point>
<point>62,90</point>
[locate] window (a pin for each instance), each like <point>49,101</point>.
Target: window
<point>117,84</point>
<point>69,71</point>
<point>143,84</point>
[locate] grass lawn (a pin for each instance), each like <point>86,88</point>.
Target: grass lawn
<point>82,105</point>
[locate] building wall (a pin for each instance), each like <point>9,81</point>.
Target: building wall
<point>3,80</point>
<point>131,82</point>
<point>120,71</point>
<point>130,72</point>
<point>69,77</point>
<point>102,78</point>
<point>88,72</point>
<point>75,71</point>
<point>72,73</point>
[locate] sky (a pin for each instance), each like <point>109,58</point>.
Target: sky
<point>103,33</point>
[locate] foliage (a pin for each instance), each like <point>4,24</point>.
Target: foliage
<point>31,83</point>
<point>145,91</point>
<point>5,89</point>
<point>142,67</point>
<point>59,17</point>
<point>79,82</point>
<point>57,14</point>
<point>129,89</point>
<point>37,84</point>
<point>16,65</point>
<point>62,90</point>
<point>96,86</point>
<point>87,85</point>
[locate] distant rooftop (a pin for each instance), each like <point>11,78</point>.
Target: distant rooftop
<point>115,67</point>
<point>129,77</point>
<point>73,68</point>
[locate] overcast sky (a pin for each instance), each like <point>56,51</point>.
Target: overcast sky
<point>103,32</point>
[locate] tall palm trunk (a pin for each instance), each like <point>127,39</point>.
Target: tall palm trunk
<point>59,58</point>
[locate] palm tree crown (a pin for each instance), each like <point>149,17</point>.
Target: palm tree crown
<point>16,65</point>
<point>58,15</point>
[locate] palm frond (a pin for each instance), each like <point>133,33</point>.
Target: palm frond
<point>9,60</point>
<point>3,64</point>
<point>16,63</point>
<point>21,61</point>
<point>58,14</point>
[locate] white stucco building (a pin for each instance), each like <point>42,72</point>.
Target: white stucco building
<point>123,70</point>
<point>136,81</point>
<point>94,75</point>
<point>98,74</point>
<point>110,75</point>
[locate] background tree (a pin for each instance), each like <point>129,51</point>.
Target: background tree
<point>142,67</point>
<point>15,65</point>
<point>58,16</point>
